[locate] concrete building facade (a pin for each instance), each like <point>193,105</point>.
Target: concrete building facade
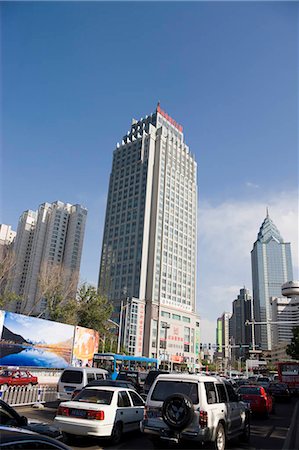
<point>48,239</point>
<point>149,242</point>
<point>271,264</point>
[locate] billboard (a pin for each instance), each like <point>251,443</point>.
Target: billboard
<point>86,344</point>
<point>29,341</point>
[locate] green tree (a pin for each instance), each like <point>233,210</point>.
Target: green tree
<point>293,347</point>
<point>94,309</point>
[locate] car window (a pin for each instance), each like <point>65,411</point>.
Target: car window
<point>99,376</point>
<point>72,376</point>
<point>222,398</point>
<point>123,399</point>
<point>90,377</point>
<point>232,396</point>
<point>249,390</point>
<point>99,396</point>
<point>136,399</point>
<point>210,392</point>
<point>6,418</point>
<point>164,388</point>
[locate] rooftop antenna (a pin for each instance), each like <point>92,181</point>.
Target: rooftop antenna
<point>267,212</point>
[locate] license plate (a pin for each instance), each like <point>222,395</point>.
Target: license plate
<point>78,413</point>
<point>69,388</point>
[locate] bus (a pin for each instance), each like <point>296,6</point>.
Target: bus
<point>288,373</point>
<point>114,363</point>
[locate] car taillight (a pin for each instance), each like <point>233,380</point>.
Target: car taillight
<point>203,419</point>
<point>96,415</point>
<point>63,411</point>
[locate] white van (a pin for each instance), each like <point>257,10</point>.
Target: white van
<point>76,378</point>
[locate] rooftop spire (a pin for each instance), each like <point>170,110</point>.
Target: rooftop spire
<point>267,212</point>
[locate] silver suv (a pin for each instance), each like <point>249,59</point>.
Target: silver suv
<point>195,408</point>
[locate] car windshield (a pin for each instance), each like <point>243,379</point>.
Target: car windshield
<point>101,397</point>
<point>165,388</point>
<point>5,373</point>
<point>249,390</point>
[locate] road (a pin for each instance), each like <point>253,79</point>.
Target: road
<point>265,433</point>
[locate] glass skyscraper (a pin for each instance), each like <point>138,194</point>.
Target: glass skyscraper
<point>149,243</point>
<point>271,264</point>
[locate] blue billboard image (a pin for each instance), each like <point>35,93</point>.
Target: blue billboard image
<point>29,341</point>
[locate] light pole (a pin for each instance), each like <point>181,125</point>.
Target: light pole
<point>165,327</point>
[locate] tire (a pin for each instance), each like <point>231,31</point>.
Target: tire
<point>177,411</point>
<point>220,438</point>
<point>117,433</point>
<point>245,436</point>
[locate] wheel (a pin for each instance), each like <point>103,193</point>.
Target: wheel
<point>177,411</point>
<point>117,433</point>
<point>245,436</point>
<point>219,443</point>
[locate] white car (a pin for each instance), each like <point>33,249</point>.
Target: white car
<point>198,408</point>
<point>101,411</point>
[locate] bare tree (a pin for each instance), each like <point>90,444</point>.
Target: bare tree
<point>7,265</point>
<point>57,285</point>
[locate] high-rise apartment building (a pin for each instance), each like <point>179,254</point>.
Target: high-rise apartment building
<point>271,264</point>
<point>240,334</point>
<point>7,236</point>
<point>47,239</point>
<point>149,243</point>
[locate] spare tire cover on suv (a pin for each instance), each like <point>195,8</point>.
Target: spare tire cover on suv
<point>177,411</point>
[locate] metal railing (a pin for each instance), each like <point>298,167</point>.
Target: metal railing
<point>24,395</point>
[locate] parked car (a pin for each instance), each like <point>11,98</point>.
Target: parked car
<point>260,401</point>
<point>16,438</point>
<point>115,383</point>
<point>10,417</point>
<point>194,408</point>
<point>279,391</point>
<point>76,378</point>
<point>16,377</point>
<point>101,411</point>
<point>150,378</point>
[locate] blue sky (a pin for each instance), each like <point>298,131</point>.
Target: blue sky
<point>74,74</point>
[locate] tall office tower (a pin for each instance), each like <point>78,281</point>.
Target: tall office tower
<point>271,264</point>
<point>149,243</point>
<point>240,333</point>
<point>47,240</point>
<point>285,311</point>
<point>223,340</point>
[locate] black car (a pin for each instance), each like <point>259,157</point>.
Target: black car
<point>116,383</point>
<point>132,376</point>
<point>16,438</point>
<point>10,418</point>
<point>279,391</point>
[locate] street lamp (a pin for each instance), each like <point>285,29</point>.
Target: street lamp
<point>165,327</point>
